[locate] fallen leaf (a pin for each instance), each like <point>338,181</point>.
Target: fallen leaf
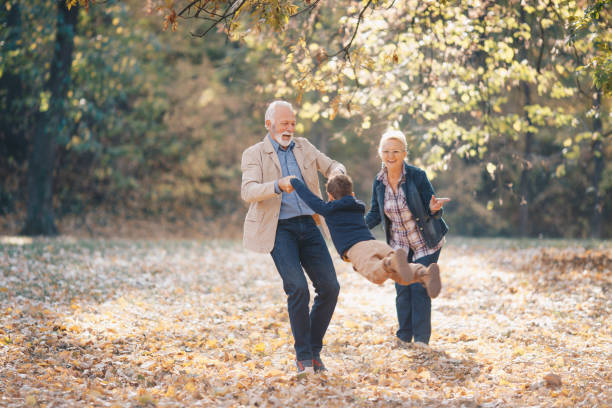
<point>553,380</point>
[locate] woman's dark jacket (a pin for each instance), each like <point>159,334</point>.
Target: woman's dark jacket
<point>418,191</point>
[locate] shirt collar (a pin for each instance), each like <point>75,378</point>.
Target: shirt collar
<point>276,145</point>
<point>383,176</point>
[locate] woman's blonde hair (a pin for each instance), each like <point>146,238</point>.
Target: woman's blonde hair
<point>392,134</point>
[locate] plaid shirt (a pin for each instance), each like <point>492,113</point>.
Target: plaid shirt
<point>404,229</point>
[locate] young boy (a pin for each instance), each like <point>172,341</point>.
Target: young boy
<point>373,259</point>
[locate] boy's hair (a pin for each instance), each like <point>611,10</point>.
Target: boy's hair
<point>339,186</point>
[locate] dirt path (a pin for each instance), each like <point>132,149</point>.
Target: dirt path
<point>133,323</point>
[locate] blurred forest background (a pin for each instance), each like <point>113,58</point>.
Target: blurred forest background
<point>122,110</point>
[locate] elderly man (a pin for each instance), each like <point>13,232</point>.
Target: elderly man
<point>281,224</point>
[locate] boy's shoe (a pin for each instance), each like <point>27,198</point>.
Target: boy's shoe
<point>304,368</point>
<point>318,365</point>
<point>399,268</point>
<point>431,280</point>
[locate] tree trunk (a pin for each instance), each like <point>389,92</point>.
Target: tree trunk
<point>525,184</point>
<point>598,162</point>
<point>524,190</point>
<point>50,123</point>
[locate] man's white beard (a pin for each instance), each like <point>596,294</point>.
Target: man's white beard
<point>284,143</point>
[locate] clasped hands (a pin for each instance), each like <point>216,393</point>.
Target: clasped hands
<point>285,183</point>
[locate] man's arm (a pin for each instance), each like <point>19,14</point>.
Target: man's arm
<point>315,203</point>
<point>253,188</point>
<point>325,165</point>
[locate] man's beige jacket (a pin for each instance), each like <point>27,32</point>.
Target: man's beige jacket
<point>260,168</point>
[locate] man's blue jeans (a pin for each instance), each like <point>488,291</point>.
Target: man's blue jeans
<point>298,244</point>
<point>413,307</point>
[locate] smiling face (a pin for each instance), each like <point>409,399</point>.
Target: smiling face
<point>282,126</point>
<point>393,153</point>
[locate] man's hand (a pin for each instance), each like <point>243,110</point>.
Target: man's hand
<point>435,204</point>
<point>285,184</point>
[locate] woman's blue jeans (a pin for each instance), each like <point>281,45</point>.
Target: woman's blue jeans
<point>298,244</point>
<point>413,307</point>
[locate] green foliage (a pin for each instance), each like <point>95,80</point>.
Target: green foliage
<point>24,67</point>
<point>117,108</point>
<point>595,23</point>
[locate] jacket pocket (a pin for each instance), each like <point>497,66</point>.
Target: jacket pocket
<point>310,162</point>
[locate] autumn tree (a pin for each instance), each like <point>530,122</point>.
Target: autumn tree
<point>50,123</point>
<point>80,96</point>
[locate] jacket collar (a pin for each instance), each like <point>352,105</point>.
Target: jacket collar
<point>380,174</point>
<point>269,146</point>
<point>383,175</point>
<point>349,202</point>
<point>381,187</point>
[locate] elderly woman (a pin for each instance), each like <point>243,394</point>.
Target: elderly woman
<point>404,199</point>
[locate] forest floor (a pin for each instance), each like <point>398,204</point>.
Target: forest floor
<point>193,323</point>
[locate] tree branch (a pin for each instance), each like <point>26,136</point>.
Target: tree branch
<point>309,8</point>
<point>228,14</point>
<point>347,47</point>
<point>193,3</point>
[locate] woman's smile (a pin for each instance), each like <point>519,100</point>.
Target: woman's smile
<point>393,153</point>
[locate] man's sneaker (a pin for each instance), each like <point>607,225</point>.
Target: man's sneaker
<point>304,368</point>
<point>318,365</point>
<point>421,345</point>
<point>431,280</point>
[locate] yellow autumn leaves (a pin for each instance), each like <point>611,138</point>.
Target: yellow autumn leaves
<point>169,323</point>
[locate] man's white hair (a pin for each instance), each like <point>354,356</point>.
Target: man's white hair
<point>392,134</point>
<point>272,108</point>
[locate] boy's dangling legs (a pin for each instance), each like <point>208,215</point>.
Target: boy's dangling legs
<point>377,262</point>
<point>427,276</point>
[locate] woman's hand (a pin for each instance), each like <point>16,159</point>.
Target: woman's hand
<point>435,204</point>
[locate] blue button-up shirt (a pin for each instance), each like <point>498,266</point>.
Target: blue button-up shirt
<point>291,204</point>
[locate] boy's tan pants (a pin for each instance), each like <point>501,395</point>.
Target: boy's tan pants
<point>368,259</point>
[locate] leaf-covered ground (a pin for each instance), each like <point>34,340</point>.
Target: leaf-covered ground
<point>191,323</point>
